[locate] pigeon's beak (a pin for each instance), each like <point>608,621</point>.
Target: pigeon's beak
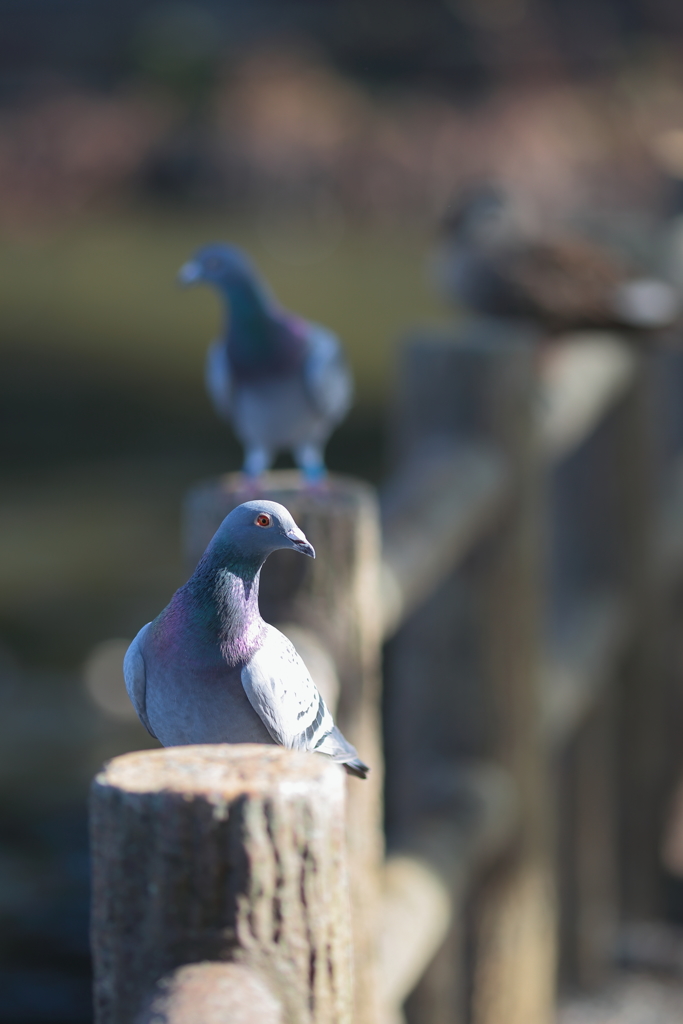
<point>298,540</point>
<point>190,273</point>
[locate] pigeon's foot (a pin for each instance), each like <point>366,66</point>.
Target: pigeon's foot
<point>309,459</point>
<point>256,461</point>
<point>318,484</point>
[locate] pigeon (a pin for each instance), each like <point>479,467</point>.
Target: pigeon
<point>208,669</point>
<point>281,381</point>
<point>488,263</point>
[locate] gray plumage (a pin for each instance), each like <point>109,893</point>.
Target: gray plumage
<point>208,669</point>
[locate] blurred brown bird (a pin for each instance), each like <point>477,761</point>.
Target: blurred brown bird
<point>488,264</point>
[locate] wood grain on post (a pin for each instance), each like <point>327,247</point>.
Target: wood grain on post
<point>336,597</point>
<point>220,853</point>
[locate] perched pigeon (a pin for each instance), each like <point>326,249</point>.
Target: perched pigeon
<point>208,669</point>
<point>489,263</point>
<point>282,381</point>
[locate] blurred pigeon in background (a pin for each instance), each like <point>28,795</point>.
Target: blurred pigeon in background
<point>208,669</point>
<point>281,381</point>
<point>489,262</point>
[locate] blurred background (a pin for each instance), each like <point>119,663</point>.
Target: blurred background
<point>328,139</point>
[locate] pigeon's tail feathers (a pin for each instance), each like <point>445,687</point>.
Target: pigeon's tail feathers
<point>357,768</point>
<point>336,746</point>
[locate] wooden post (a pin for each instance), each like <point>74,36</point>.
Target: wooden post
<point>416,918</point>
<point>516,963</point>
<point>482,386</point>
<point>644,712</point>
<point>669,381</point>
<point>336,597</point>
<point>588,621</point>
<point>587,840</point>
<point>425,881</point>
<point>220,853</point>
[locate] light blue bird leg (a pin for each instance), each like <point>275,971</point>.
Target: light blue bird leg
<point>309,459</point>
<point>256,461</point>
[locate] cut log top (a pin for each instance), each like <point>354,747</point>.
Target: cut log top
<point>222,773</point>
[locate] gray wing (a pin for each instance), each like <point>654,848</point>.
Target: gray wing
<point>135,676</point>
<point>284,696</point>
<point>326,374</point>
<point>218,378</point>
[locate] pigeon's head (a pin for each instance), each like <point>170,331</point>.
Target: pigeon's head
<point>258,527</point>
<point>218,264</point>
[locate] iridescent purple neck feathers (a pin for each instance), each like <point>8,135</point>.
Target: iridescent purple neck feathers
<point>220,603</point>
<point>241,624</point>
<point>262,342</point>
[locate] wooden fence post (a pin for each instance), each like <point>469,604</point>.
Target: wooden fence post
<point>644,740</point>
<point>586,560</point>
<point>220,853</point>
<point>335,597</point>
<point>482,386</point>
<point>588,863</point>
<point>516,970</point>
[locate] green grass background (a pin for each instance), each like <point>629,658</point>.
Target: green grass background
<point>105,288</point>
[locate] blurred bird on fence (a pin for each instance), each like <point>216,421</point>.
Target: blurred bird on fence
<point>280,380</point>
<point>208,669</point>
<point>489,262</point>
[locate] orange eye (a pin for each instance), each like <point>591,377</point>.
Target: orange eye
<point>262,519</point>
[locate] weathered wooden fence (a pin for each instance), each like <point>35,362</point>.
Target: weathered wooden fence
<point>519,567</point>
